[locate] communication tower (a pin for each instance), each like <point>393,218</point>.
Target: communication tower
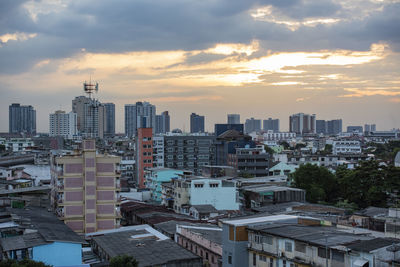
<point>90,87</point>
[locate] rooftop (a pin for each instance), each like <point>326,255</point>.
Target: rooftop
<point>147,250</point>
<point>317,235</point>
<point>373,244</point>
<point>259,219</point>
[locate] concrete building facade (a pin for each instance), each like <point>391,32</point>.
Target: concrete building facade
<point>233,119</point>
<point>63,124</point>
<point>85,189</point>
<point>139,115</point>
<point>144,154</point>
<point>301,123</point>
<point>196,123</point>
<point>21,119</point>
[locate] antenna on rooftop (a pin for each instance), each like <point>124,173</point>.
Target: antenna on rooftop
<point>90,87</point>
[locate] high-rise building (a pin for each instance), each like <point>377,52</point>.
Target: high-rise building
<point>162,123</point>
<point>110,119</point>
<point>85,193</point>
<point>252,125</point>
<point>321,127</point>
<point>196,123</point>
<point>78,107</point>
<point>139,115</point>
<point>22,119</point>
<point>271,124</point>
<point>63,124</point>
<point>334,126</point>
<point>370,127</point>
<point>144,154</point>
<point>91,116</point>
<point>233,118</point>
<point>301,123</point>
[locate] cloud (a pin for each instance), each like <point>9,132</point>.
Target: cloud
<point>66,27</point>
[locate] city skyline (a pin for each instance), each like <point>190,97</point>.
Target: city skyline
<point>337,59</point>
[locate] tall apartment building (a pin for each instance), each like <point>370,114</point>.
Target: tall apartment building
<point>91,116</point>
<point>21,119</point>
<point>370,128</point>
<point>139,115</point>
<point>233,118</point>
<point>301,123</point>
<point>329,127</point>
<point>186,152</point>
<point>271,124</point>
<point>63,124</point>
<point>85,189</point>
<point>162,123</point>
<point>78,107</point>
<point>110,119</point>
<point>144,154</point>
<point>252,125</point>
<point>196,123</point>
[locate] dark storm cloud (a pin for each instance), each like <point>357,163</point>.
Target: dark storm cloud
<point>121,26</point>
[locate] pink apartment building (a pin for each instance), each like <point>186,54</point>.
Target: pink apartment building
<point>85,189</point>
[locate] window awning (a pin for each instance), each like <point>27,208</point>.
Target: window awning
<point>360,263</point>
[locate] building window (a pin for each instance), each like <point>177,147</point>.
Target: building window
<point>201,253</point>
<point>254,259</point>
<point>257,239</point>
<point>271,262</point>
<point>322,253</point>
<point>213,185</point>
<point>288,247</point>
<point>230,259</point>
<point>198,185</point>
<point>206,255</point>
<point>284,263</point>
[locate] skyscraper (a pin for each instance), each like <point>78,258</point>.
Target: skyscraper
<point>233,118</point>
<point>271,124</point>
<point>301,123</point>
<point>252,125</point>
<point>91,116</point>
<point>196,123</point>
<point>321,127</point>
<point>162,123</point>
<point>334,126</point>
<point>110,119</point>
<point>139,115</point>
<point>63,124</point>
<point>22,119</point>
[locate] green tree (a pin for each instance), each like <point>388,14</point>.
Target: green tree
<point>365,185</point>
<point>123,261</point>
<point>269,150</point>
<point>23,263</point>
<point>285,145</point>
<point>320,184</point>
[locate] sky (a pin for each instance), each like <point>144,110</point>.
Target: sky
<point>258,58</point>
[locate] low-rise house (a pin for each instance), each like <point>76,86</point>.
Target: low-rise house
<point>205,242</point>
<point>235,237</point>
<point>145,244</point>
<point>282,168</point>
<point>220,193</point>
<point>45,238</point>
<point>313,245</point>
<point>154,177</point>
<point>261,195</point>
<point>203,212</point>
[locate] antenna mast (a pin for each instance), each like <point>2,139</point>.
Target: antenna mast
<point>90,87</point>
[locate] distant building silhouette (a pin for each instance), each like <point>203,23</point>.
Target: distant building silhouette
<point>22,119</point>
